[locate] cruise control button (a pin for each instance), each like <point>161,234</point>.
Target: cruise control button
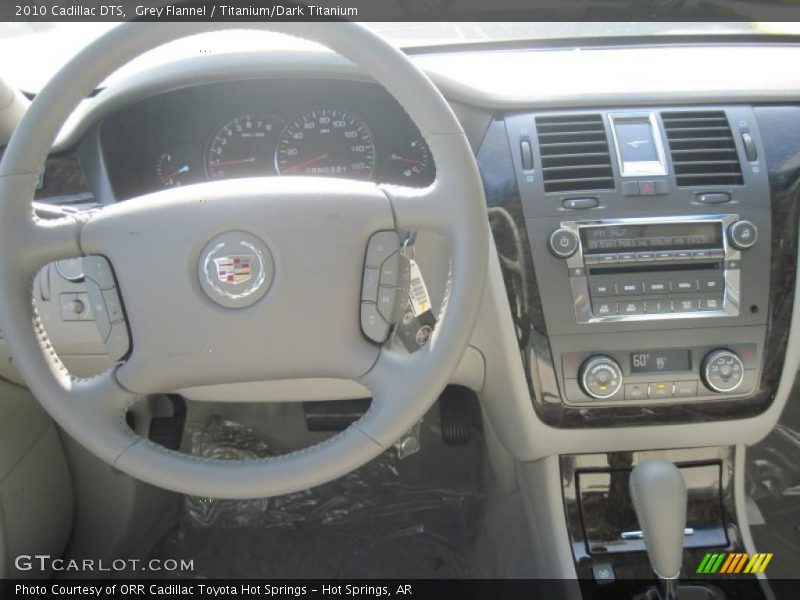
<point>369,286</point>
<point>685,304</point>
<point>656,287</point>
<point>655,307</point>
<point>604,309</point>
<point>712,303</point>
<point>98,307</point>
<point>661,389</point>
<point>113,305</point>
<point>387,298</point>
<point>381,245</point>
<point>118,342</point>
<point>685,389</point>
<point>631,308</point>
<point>98,269</point>
<point>372,324</point>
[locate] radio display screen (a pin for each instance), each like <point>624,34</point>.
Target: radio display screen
<point>660,361</point>
<point>651,236</point>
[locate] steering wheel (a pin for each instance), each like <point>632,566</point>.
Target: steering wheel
<point>306,239</point>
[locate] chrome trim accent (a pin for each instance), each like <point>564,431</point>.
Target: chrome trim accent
<point>580,285</point>
<point>650,168</point>
<point>713,355</point>
<point>638,535</point>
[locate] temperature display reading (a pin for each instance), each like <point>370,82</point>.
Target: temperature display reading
<point>660,361</point>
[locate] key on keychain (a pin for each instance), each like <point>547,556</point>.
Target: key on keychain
<point>415,319</point>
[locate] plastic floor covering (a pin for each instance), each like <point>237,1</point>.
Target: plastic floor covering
<point>412,517</point>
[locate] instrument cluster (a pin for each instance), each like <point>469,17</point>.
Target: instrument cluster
<point>254,129</point>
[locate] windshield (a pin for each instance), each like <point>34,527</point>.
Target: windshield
<point>40,49</point>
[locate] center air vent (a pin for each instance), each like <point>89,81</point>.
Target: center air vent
<point>702,148</point>
<point>574,153</point>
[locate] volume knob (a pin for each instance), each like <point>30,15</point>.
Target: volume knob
<point>600,377</point>
<point>563,242</point>
<point>743,235</point>
<point>723,371</point>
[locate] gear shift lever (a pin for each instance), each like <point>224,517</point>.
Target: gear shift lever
<point>658,492</point>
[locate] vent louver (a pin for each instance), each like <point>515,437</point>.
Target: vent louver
<point>574,153</point>
<point>702,148</point>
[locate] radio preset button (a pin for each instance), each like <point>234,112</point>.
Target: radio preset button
<point>701,254</point>
<point>628,288</point>
<point>711,284</point>
<point>743,235</point>
<point>644,256</point>
<point>602,289</point>
<point>635,307</point>
<point>686,304</point>
<point>683,254</point>
<point>656,287</point>
<point>711,303</point>
<point>563,243</point>
<point>664,255</point>
<point>684,285</point>
<point>604,309</point>
<point>655,307</point>
<point>626,257</point>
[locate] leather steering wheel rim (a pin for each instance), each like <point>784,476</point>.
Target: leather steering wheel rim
<point>93,410</point>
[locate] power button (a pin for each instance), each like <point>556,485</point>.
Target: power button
<point>563,243</point>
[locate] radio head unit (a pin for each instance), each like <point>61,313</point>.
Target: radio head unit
<point>646,269</point>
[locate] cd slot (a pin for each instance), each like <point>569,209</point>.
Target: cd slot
<point>655,268</point>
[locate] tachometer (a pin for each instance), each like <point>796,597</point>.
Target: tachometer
<point>327,142</point>
<point>243,147</point>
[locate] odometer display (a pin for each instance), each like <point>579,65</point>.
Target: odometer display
<point>327,142</point>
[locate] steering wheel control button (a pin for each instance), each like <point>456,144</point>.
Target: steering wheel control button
<point>381,245</point>
<point>98,269</point>
<point>563,243</point>
<point>118,342</point>
<point>112,304</point>
<point>70,269</point>
<point>743,235</point>
<point>373,324</point>
<point>75,306</point>
<point>387,300</point>
<point>601,377</point>
<point>369,285</point>
<point>235,269</point>
<point>722,371</point>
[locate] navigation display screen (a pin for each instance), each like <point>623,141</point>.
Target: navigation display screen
<point>651,236</point>
<point>660,361</point>
<point>636,143</point>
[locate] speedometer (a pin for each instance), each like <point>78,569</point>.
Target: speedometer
<point>243,147</point>
<point>327,142</point>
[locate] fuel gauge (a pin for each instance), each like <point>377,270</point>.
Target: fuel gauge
<point>412,165</point>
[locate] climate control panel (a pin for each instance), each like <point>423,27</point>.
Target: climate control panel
<point>652,375</point>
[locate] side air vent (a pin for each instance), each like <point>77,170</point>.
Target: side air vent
<point>574,153</point>
<point>702,148</point>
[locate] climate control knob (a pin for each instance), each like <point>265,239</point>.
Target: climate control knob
<point>722,371</point>
<point>563,243</point>
<point>600,377</point>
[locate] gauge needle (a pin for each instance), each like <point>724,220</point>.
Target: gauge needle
<point>228,163</point>
<point>183,169</point>
<point>308,162</point>
<point>408,160</point>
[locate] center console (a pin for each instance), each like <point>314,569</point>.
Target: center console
<point>639,250</point>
